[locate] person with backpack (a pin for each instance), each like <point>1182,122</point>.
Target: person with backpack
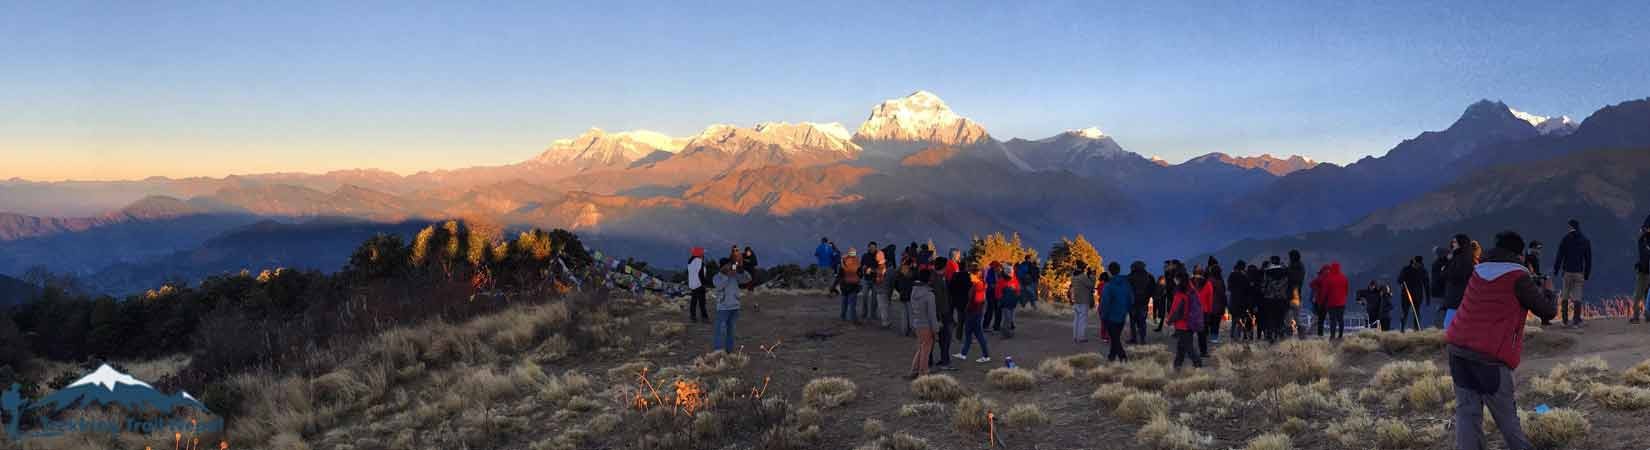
<point>1082,301</point>
<point>974,325</point>
<point>727,305</point>
<point>1029,274</point>
<point>925,322</point>
<point>945,312</point>
<point>1205,299</point>
<point>1412,293</point>
<point>848,283</point>
<point>1186,316</point>
<point>1275,293</point>
<point>1486,340</point>
<point>1116,303</point>
<point>993,322</point>
<point>1217,303</point>
<point>1145,288</point>
<point>1008,296</point>
<point>1330,292</point>
<point>699,282</point>
<point>1574,266</point>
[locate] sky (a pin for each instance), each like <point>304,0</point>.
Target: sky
<point>125,90</point>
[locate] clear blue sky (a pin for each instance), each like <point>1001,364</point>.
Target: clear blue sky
<point>129,89</point>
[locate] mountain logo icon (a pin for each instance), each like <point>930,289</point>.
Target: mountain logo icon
<point>105,386</point>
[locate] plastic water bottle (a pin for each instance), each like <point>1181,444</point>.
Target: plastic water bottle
<point>1008,361</point>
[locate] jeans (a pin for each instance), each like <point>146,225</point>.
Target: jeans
<point>1569,300</point>
<point>1079,321</point>
<point>1469,412</point>
<point>993,320</point>
<point>848,299</point>
<point>905,319</point>
<point>974,328</point>
<point>1115,329</point>
<point>925,344</point>
<point>1006,318</point>
<point>1137,323</point>
<point>1337,322</point>
<point>868,309</point>
<point>722,339</point>
<point>1641,287</point>
<point>1184,348</point>
<point>696,305</point>
<point>1028,293</point>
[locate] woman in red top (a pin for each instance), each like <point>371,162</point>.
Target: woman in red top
<point>1183,311</point>
<point>1206,299</point>
<point>972,326</point>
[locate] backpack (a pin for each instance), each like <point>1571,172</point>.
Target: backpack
<point>1194,312</point>
<point>850,270</point>
<point>1276,288</point>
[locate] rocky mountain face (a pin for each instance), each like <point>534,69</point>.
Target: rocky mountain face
<point>1273,165</point>
<point>919,117</point>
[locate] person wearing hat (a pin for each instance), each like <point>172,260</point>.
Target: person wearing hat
<point>1641,269</point>
<point>1485,341</point>
<point>1574,266</point>
<point>848,281</point>
<point>698,281</point>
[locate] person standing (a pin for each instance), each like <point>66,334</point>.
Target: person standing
<point>848,283</point>
<point>1457,275</point>
<point>1205,291</point>
<point>1412,290</point>
<point>1030,274</point>
<point>960,286</point>
<point>698,279</point>
<point>822,255</point>
<point>1185,315</point>
<point>925,322</point>
<point>940,285</point>
<point>875,272</point>
<point>1145,286</point>
<point>1297,282</point>
<point>1375,308</point>
<point>1574,266</point>
<point>1319,310</point>
<point>904,281</point>
<point>993,322</point>
<point>1331,293</point>
<point>749,265</point>
<point>727,305</point>
<point>1082,301</point>
<point>1275,303</point>
<point>1486,341</point>
<point>1217,311</point>
<point>1116,303</point>
<point>974,328</point>
<point>1165,294</point>
<point>1532,262</point>
<point>1237,288</point>
<point>1440,281</point>
<point>1641,285</point>
<point>1008,297</point>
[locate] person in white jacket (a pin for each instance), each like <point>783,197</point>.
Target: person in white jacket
<point>696,285</point>
<point>727,305</point>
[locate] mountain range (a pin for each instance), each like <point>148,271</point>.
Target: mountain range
<point>914,169</point>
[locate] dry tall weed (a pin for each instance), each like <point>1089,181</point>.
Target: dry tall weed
<point>1395,434</point>
<point>1625,398</point>
<point>1215,403</point>
<point>829,392</point>
<point>1360,343</point>
<point>1270,441</point>
<point>1161,433</point>
<point>1187,385</point>
<point>873,428</point>
<point>1057,368</point>
<point>1351,431</point>
<point>1111,394</point>
<point>936,388</point>
<point>1430,393</point>
<point>1145,374</point>
<point>1011,379</point>
<point>921,409</point>
<point>1638,375</point>
<point>1142,406</point>
<point>1398,374</point>
<point>1025,416</point>
<point>971,414</point>
<point>1557,428</point>
<point>1567,380</point>
<point>719,362</point>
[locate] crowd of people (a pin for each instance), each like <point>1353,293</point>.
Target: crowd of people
<point>1480,301</point>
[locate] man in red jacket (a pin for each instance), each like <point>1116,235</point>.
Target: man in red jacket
<point>1330,291</point>
<point>1486,340</point>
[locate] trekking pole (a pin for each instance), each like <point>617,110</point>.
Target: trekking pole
<point>1414,312</point>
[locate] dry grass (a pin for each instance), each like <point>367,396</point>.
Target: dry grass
<point>1359,344</point>
<point>558,390</point>
<point>921,409</point>
<point>1351,431</point>
<point>1085,361</point>
<point>1189,384</point>
<point>829,392</point>
<point>1161,433</point>
<point>719,362</point>
<point>1625,398</point>
<point>706,426</point>
<point>1011,379</point>
<point>1429,342</point>
<point>663,330</point>
<point>904,441</point>
<point>1057,368</point>
<point>1270,441</point>
<point>1430,393</point>
<point>1395,434</point>
<point>873,428</point>
<point>1142,406</point>
<point>1558,428</point>
<point>629,370</point>
<point>1145,374</point>
<point>1398,374</point>
<point>1638,375</point>
<point>1214,403</point>
<point>1309,401</point>
<point>971,414</point>
<point>1025,416</point>
<point>1567,380</point>
<point>941,388</point>
<point>1111,394</point>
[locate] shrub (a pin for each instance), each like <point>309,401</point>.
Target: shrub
<point>806,417</point>
<point>560,389</point>
<point>904,441</point>
<point>971,414</point>
<point>663,330</point>
<point>1430,393</point>
<point>628,371</point>
<point>1302,361</point>
<point>1085,361</point>
<point>1270,441</point>
<point>1142,406</point>
<point>1349,432</point>
<point>604,423</point>
<point>1187,385</point>
<point>1429,341</point>
<point>1638,375</point>
<point>1400,373</point>
<point>1395,434</point>
<point>1105,373</point>
<point>873,428</point>
<point>1111,394</point>
<point>1011,379</point>
<point>706,426</point>
<point>1145,374</point>
<point>1567,379</point>
<point>921,409</point>
<point>1057,368</point>
<point>718,362</point>
<point>1295,400</point>
<point>829,392</point>
<point>1215,403</point>
<point>1624,398</point>
<point>1025,415</point>
<point>1360,344</point>
<point>1557,428</point>
<point>1164,434</point>
<point>936,388</point>
<point>1293,426</point>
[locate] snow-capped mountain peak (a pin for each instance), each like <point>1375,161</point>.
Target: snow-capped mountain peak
<point>1560,125</point>
<point>107,377</point>
<point>598,147</point>
<point>1533,119</point>
<point>921,116</point>
<point>1090,132</point>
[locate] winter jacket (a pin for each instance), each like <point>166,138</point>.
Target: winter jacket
<point>976,301</point>
<point>1375,305</point>
<point>1144,285</point>
<point>1218,305</point>
<point>1330,289</point>
<point>727,289</point>
<point>823,254</point>
<point>1082,290</point>
<point>1414,281</point>
<point>849,276</point>
<point>1237,284</point>
<point>695,270</point>
<point>1440,281</point>
<point>1490,321</point>
<point>1186,312</point>
<point>1643,265</point>
<point>991,280</point>
<point>924,313</point>
<point>1275,286</point>
<point>1028,273</point>
<point>1575,255</point>
<point>1456,277</point>
<point>941,288</point>
<point>951,268</point>
<point>1206,296</point>
<point>960,288</point>
<point>1297,279</point>
<point>1008,292</point>
<point>1116,300</point>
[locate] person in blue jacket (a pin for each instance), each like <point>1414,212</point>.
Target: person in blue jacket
<point>823,254</point>
<point>1115,302</point>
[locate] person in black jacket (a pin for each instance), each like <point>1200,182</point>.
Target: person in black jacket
<point>1574,264</point>
<point>961,290</point>
<point>1238,302</point>
<point>1297,282</point>
<point>1440,262</point>
<point>1532,263</point>
<point>1145,288</point>
<point>946,314</point>
<point>1457,275</point>
<point>1412,293</point>
<point>1376,306</point>
<point>1641,284</point>
<point>1275,300</point>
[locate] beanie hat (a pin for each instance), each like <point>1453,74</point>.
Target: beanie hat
<point>699,252</point>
